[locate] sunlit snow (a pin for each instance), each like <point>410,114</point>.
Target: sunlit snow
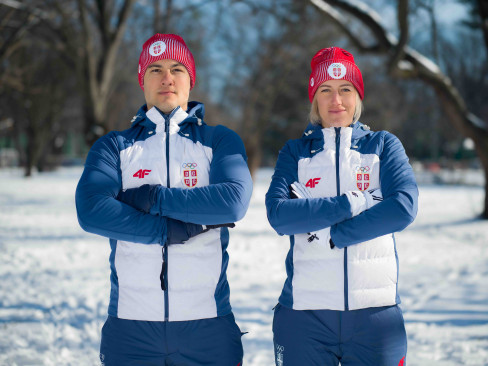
<point>54,277</point>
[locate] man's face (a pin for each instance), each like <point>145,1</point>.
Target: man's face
<point>166,85</point>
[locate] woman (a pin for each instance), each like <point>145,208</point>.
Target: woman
<point>340,192</point>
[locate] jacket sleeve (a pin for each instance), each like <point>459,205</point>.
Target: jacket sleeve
<point>225,199</point>
<point>294,216</point>
<point>99,211</point>
<point>398,208</point>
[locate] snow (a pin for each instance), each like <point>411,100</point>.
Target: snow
<point>54,278</point>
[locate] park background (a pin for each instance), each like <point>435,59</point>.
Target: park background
<point>68,74</point>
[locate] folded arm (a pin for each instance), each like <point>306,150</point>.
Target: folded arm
<point>99,211</point>
<point>225,199</point>
<point>398,208</point>
<point>295,216</point>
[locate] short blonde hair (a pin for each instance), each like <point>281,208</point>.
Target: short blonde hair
<point>314,115</point>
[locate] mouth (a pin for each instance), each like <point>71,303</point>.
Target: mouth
<point>166,92</point>
<point>336,111</point>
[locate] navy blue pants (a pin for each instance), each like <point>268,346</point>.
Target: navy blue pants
<point>215,341</point>
<point>366,337</point>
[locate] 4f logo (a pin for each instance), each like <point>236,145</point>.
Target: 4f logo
<point>362,177</point>
<point>141,173</point>
<point>312,182</point>
<point>190,176</point>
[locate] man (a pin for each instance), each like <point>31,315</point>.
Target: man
<point>165,192</point>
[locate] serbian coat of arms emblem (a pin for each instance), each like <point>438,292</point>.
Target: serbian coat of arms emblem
<point>336,70</point>
<point>362,177</point>
<point>190,176</point>
<point>157,48</point>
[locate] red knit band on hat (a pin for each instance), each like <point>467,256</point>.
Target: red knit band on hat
<point>334,63</point>
<point>162,47</point>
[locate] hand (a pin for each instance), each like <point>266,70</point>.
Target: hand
<point>298,190</point>
<point>373,197</point>
<point>362,201</point>
<point>141,198</point>
<point>179,232</point>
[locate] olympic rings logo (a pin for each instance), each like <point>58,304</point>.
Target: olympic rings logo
<point>189,165</point>
<point>362,169</point>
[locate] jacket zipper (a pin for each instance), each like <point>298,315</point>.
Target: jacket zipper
<point>165,247</point>
<point>338,144</point>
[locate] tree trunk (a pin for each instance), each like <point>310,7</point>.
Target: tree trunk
<point>254,154</point>
<point>99,62</point>
<point>483,10</point>
<point>30,150</point>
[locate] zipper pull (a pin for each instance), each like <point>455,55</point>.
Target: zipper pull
<point>166,122</point>
<point>161,276</point>
<point>338,134</point>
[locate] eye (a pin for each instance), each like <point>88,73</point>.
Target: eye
<point>325,90</point>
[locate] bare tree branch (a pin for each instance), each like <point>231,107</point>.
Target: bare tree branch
<point>113,48</point>
<point>483,11</point>
<point>167,16</point>
<point>99,62</point>
<point>189,8</point>
<point>14,4</point>
<point>122,19</point>
<point>341,21</point>
<point>156,16</point>
<point>29,17</point>
<point>368,17</point>
<point>6,18</point>
<point>430,9</point>
<point>402,14</point>
<point>102,16</point>
<point>412,65</point>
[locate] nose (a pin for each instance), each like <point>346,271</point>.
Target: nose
<point>336,98</point>
<point>167,78</point>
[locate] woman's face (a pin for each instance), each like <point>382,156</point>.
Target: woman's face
<point>336,102</point>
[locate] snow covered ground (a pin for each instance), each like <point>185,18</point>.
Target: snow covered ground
<point>54,278</point>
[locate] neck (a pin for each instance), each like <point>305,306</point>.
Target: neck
<point>167,109</point>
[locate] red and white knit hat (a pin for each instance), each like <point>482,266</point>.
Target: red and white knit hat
<point>334,63</point>
<point>162,47</point>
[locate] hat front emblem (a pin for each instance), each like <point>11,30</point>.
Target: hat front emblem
<point>157,48</point>
<point>336,70</point>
